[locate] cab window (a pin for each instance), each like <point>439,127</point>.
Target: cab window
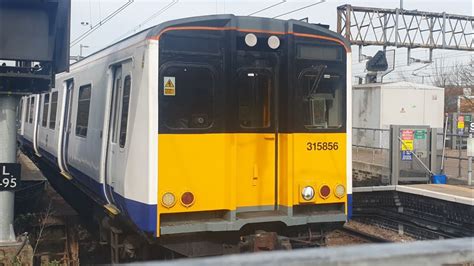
<point>187,94</point>
<point>321,98</point>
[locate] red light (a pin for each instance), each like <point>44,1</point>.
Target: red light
<point>187,199</point>
<point>324,191</point>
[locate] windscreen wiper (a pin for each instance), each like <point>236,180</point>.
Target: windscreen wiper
<point>319,75</point>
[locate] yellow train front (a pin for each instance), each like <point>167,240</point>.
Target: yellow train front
<point>253,127</point>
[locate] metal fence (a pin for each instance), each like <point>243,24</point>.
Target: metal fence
<point>455,164</point>
<point>371,145</point>
<point>371,155</point>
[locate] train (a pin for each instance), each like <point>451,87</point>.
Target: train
<point>205,125</point>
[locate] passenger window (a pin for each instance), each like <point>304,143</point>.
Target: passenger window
<point>54,107</point>
<point>44,122</point>
<point>254,89</point>
<point>116,97</point>
<point>190,103</point>
<point>125,106</point>
<point>32,109</point>
<point>83,105</point>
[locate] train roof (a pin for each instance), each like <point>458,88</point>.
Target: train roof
<point>247,22</point>
<point>228,21</point>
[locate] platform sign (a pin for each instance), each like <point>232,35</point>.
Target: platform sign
<point>420,134</point>
<point>10,174</point>
<point>471,127</point>
<point>460,122</point>
<point>407,156</point>
<point>407,145</point>
<point>408,135</point>
<point>468,118</point>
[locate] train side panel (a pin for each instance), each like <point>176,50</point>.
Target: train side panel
<point>82,144</point>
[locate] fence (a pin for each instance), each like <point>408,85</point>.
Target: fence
<point>455,164</point>
<point>372,155</point>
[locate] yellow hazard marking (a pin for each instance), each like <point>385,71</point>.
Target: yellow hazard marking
<point>169,86</point>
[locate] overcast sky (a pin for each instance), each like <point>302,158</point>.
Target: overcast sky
<point>132,19</point>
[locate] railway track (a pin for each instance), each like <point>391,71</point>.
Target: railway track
<point>419,227</point>
<point>366,236</point>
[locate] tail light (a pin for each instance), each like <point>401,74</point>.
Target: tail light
<point>187,199</point>
<point>324,191</point>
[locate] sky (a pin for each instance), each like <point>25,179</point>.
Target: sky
<point>142,14</point>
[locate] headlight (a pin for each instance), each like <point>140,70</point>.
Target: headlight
<point>168,200</point>
<point>339,191</point>
<point>307,193</point>
<point>251,40</point>
<point>273,42</point>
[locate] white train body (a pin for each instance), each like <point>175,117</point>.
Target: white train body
<point>91,155</point>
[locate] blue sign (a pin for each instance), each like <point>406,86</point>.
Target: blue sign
<point>407,156</point>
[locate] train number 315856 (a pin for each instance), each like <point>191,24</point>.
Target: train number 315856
<point>322,146</point>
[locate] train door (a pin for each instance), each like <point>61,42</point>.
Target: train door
<point>20,117</point>
<point>116,149</point>
<point>36,111</point>
<point>65,131</point>
<point>256,145</point>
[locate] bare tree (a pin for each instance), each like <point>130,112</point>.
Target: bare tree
<point>462,74</point>
<point>442,73</point>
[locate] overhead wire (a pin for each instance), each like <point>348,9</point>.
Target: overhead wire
<point>144,22</point>
<point>100,23</point>
<point>299,9</point>
<point>419,51</point>
<point>427,69</point>
<point>268,7</point>
<point>452,55</point>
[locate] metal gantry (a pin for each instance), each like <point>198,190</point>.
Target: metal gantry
<point>405,28</point>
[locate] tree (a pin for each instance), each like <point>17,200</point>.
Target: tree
<point>441,73</point>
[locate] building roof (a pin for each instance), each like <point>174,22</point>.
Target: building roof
<point>397,85</point>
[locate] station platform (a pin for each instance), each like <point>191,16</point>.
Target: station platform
<point>451,193</point>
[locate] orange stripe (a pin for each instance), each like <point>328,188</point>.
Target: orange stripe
<point>314,36</point>
<point>348,49</point>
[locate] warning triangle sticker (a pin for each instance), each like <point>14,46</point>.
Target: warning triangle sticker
<point>169,83</point>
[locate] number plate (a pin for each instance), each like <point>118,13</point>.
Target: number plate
<point>322,146</point>
<point>10,174</point>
